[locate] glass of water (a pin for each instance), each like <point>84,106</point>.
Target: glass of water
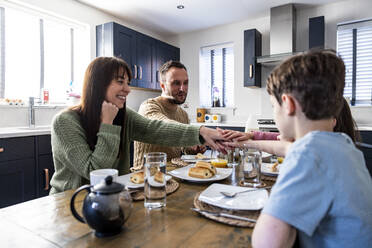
<point>155,169</point>
<point>252,168</point>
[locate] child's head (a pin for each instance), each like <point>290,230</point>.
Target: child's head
<point>316,79</point>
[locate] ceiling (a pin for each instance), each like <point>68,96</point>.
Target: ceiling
<point>163,17</point>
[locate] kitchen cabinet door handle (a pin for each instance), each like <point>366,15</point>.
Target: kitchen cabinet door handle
<point>251,71</point>
<point>47,186</point>
<point>1,149</point>
<point>135,71</point>
<point>140,67</point>
<point>157,76</point>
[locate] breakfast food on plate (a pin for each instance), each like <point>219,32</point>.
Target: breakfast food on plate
<point>203,170</point>
<point>179,162</point>
<point>209,166</point>
<point>159,177</point>
<point>219,163</point>
<point>137,177</point>
<point>200,156</point>
<point>274,167</point>
<point>200,172</point>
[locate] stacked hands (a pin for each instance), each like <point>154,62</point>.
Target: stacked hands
<point>223,140</point>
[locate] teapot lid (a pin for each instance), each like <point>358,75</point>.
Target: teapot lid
<point>107,186</point>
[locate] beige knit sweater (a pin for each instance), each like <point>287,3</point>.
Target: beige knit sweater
<point>158,109</point>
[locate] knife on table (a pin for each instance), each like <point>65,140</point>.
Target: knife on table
<point>223,215</point>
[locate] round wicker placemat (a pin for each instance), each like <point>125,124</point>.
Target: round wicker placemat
<point>233,222</point>
<point>171,186</point>
<point>269,178</point>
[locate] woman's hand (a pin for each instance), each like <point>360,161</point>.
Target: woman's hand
<point>108,112</point>
<point>211,136</point>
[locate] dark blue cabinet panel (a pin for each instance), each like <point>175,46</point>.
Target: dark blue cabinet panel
<point>143,53</point>
<point>26,167</point>
<point>164,53</point>
<point>113,39</point>
<point>17,181</point>
<point>145,61</point>
<point>45,166</point>
<point>252,49</point>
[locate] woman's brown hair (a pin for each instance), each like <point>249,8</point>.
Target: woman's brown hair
<point>98,76</point>
<point>346,124</point>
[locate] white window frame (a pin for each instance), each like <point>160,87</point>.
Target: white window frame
<point>43,15</point>
<point>206,77</point>
<point>356,52</point>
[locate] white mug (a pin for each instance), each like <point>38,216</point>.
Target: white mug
<point>216,118</point>
<point>208,118</point>
<point>97,176</point>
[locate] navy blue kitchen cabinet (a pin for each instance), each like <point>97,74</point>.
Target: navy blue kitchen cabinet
<point>145,61</point>
<point>26,167</point>
<point>45,166</point>
<point>143,53</point>
<point>164,53</point>
<point>252,49</point>
<point>17,170</point>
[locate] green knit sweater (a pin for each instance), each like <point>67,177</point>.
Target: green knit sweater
<point>73,159</point>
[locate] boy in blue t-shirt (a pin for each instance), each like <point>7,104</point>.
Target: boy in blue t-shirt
<point>324,191</point>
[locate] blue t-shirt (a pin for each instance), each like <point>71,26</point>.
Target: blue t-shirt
<point>324,190</point>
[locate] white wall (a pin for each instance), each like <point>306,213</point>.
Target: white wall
<point>256,101</point>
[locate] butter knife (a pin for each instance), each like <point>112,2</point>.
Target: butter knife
<point>223,215</point>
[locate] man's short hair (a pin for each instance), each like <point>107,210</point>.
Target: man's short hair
<point>316,79</point>
<point>167,66</point>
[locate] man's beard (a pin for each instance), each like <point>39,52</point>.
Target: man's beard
<point>175,101</point>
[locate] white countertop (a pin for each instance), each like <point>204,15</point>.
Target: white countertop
<point>9,132</point>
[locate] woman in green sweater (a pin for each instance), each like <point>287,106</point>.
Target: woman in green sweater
<point>97,133</point>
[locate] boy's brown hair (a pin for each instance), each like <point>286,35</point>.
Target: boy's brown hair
<point>315,78</point>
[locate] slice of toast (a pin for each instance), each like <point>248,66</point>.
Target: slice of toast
<point>209,166</point>
<point>137,178</point>
<point>159,177</point>
<point>200,172</point>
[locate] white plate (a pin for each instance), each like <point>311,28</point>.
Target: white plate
<point>193,159</point>
<point>125,179</point>
<point>182,173</point>
<point>266,169</point>
<point>254,200</point>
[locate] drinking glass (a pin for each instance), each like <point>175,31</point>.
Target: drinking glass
<point>252,168</point>
<point>155,169</point>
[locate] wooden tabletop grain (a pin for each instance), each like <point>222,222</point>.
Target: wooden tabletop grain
<point>48,222</point>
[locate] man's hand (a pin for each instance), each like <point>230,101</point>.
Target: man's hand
<point>211,136</point>
<point>236,135</point>
<point>197,149</point>
<point>108,112</point>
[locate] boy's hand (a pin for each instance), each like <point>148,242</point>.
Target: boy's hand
<point>108,112</point>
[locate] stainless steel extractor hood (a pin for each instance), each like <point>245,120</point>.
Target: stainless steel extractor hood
<point>282,34</point>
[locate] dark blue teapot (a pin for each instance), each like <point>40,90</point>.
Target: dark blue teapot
<point>106,207</point>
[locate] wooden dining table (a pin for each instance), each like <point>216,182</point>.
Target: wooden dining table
<point>48,222</point>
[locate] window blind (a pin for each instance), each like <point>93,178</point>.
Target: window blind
<point>354,44</point>
<point>216,75</point>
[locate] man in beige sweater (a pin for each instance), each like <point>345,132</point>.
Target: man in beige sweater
<point>174,84</point>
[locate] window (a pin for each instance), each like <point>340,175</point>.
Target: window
<point>216,82</point>
<point>354,44</point>
<point>39,50</point>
